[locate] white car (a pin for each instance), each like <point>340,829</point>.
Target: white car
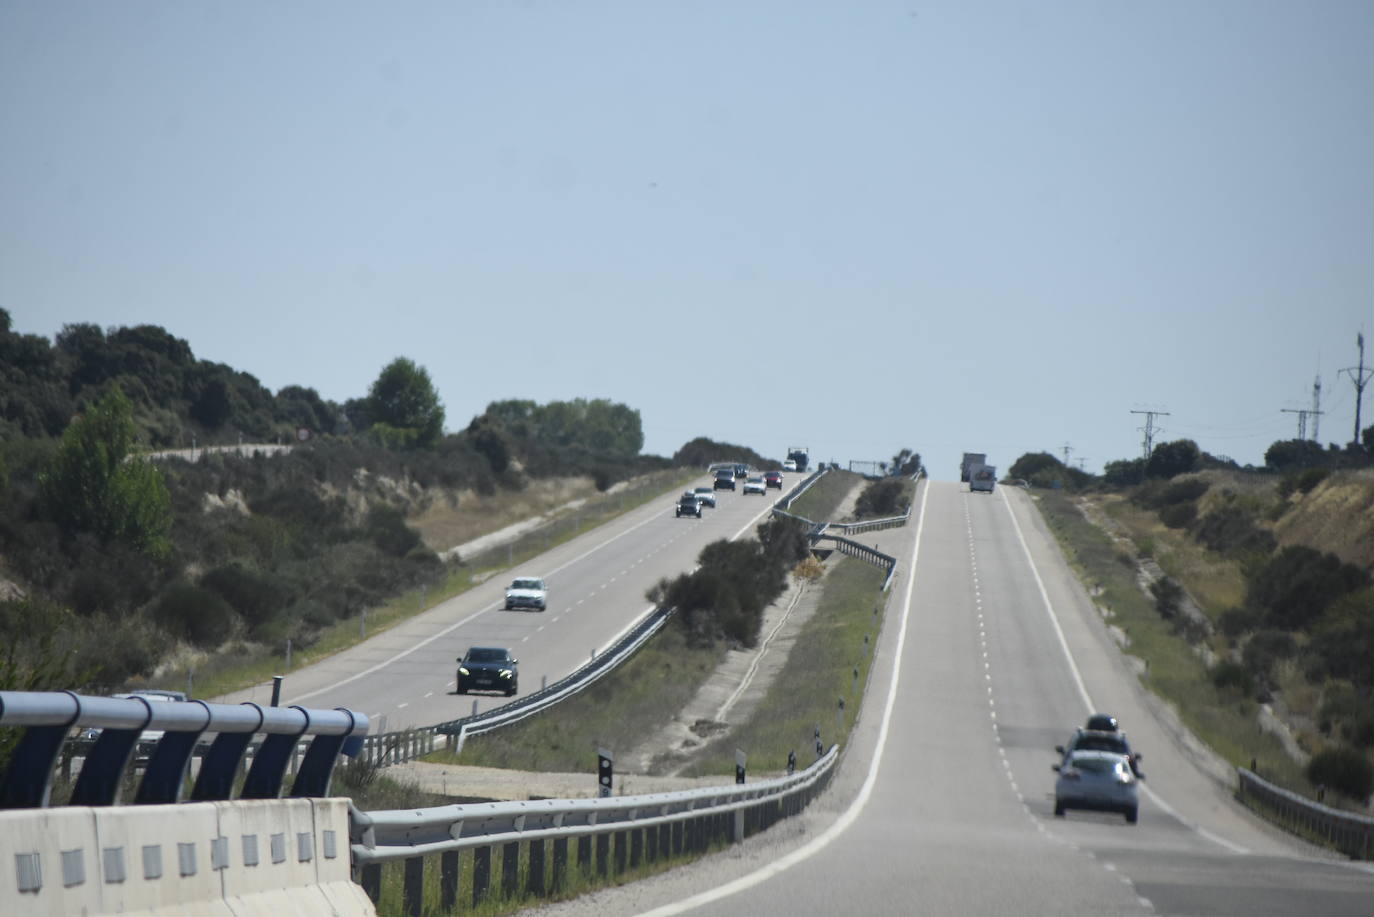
<point>755,485</point>
<point>706,496</point>
<point>789,465</point>
<point>527,592</point>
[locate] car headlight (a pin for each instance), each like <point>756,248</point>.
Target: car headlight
<point>506,673</point>
<point>463,670</point>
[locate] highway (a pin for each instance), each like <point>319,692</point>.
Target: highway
<point>597,583</point>
<point>991,654</point>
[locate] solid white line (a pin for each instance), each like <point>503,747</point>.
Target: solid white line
<point>1083,690</point>
<point>849,815</point>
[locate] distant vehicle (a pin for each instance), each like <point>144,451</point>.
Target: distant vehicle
<point>725,479</point>
<point>982,478</point>
<point>488,668</point>
<point>706,496</point>
<point>755,485</point>
<point>688,505</point>
<point>1100,780</point>
<point>773,479</point>
<point>527,592</point>
<point>971,459</point>
<point>789,465</point>
<point>741,470</point>
<point>799,455</point>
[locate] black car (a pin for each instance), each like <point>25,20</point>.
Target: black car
<point>725,479</point>
<point>688,505</point>
<point>488,668</point>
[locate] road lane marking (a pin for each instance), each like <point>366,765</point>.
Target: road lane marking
<point>849,815</point>
<point>1083,690</point>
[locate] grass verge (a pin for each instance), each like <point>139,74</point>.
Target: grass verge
<point>1174,671</point>
<point>615,712</point>
<point>249,666</point>
<point>821,684</point>
<point>822,499</point>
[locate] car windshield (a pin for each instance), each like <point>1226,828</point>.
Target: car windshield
<point>703,490</point>
<point>481,654</point>
<point>527,584</point>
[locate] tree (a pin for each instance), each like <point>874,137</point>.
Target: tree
<point>1175,458</point>
<point>403,403</point>
<point>1291,454</point>
<point>906,463</point>
<point>94,485</point>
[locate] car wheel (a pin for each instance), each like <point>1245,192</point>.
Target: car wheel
<point>462,690</point>
<point>511,692</point>
<point>1058,809</point>
<point>1132,814</point>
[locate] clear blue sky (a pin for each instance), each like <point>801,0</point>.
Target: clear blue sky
<point>860,226</point>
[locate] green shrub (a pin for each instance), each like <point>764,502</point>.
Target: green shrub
<point>1301,481</point>
<point>1168,596</point>
<point>1344,769</point>
<point>196,615</point>
<point>1230,530</point>
<point>1237,621</point>
<point>1178,515</point>
<point>881,499</point>
<point>1232,677</point>
<point>1299,583</point>
<point>255,596</point>
<point>1264,649</point>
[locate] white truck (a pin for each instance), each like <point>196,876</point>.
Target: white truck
<point>799,455</point>
<point>971,459</point>
<point>981,477</point>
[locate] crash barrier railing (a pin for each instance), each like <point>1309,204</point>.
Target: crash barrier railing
<point>863,552</point>
<point>407,744</point>
<point>47,718</point>
<point>1348,832</point>
<point>614,834</point>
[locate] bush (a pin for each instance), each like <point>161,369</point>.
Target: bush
<point>1264,650</point>
<point>1299,583</point>
<point>1168,597</point>
<point>881,499</point>
<point>1231,530</point>
<point>255,596</point>
<point>1301,481</point>
<point>1235,622</point>
<point>1178,515</point>
<point>1232,677</point>
<point>196,615</point>
<point>1344,769</point>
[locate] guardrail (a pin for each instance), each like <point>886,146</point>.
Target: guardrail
<point>406,744</point>
<point>1348,832</point>
<point>627,831</point>
<point>47,718</point>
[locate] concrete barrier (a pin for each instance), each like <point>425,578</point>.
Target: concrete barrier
<point>252,858</point>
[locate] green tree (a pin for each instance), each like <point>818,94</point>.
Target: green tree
<point>94,485</point>
<point>1170,459</point>
<point>403,404</point>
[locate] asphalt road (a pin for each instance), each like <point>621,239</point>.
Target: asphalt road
<point>597,584</point>
<point>992,653</point>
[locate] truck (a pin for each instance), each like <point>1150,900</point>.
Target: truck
<point>800,455</point>
<point>981,477</point>
<point>971,459</point>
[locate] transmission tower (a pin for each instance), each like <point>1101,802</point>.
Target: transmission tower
<point>1316,409</point>
<point>1303,414</point>
<point>1360,376</point>
<point>1067,450</point>
<point>1149,428</point>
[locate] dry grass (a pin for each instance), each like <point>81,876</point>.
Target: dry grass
<point>1337,517</point>
<point>453,519</point>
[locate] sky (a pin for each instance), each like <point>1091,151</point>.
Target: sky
<point>859,227</point>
